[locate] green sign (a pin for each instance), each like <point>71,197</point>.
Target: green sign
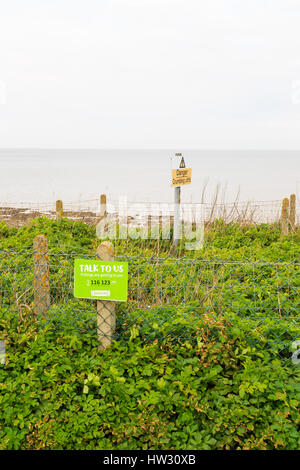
<point>101,280</point>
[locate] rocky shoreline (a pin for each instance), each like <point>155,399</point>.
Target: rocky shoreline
<point>16,217</point>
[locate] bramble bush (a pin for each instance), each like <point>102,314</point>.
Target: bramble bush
<point>221,386</point>
<point>211,392</point>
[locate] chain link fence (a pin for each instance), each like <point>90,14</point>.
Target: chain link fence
<point>167,297</point>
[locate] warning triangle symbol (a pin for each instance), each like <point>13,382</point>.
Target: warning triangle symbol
<point>182,163</point>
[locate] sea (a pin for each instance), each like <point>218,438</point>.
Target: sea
<point>45,175</point>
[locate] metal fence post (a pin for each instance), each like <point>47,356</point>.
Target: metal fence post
<point>41,284</point>
<point>176,227</point>
<point>285,217</point>
<point>59,210</point>
<point>106,318</point>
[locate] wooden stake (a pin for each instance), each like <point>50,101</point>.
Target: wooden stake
<point>285,217</point>
<point>59,210</point>
<point>149,222</point>
<point>41,283</point>
<point>103,211</point>
<point>106,318</point>
<point>293,211</point>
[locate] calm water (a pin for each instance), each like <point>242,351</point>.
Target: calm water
<point>47,175</point>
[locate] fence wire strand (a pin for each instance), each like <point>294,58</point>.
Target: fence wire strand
<point>166,297</point>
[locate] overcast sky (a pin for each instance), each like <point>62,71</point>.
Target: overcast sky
<point>150,74</point>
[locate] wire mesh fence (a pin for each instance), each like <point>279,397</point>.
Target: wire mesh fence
<point>167,298</point>
<point>88,211</point>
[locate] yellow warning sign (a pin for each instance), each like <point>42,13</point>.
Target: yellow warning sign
<point>182,163</point>
<point>181,176</point>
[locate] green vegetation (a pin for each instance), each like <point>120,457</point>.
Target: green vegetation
<point>202,352</point>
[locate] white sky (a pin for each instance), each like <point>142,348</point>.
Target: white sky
<point>150,74</point>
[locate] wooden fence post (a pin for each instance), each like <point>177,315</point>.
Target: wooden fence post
<point>59,210</point>
<point>41,284</point>
<point>149,223</point>
<point>293,211</point>
<point>106,318</point>
<point>160,226</point>
<point>285,217</point>
<point>103,210</point>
